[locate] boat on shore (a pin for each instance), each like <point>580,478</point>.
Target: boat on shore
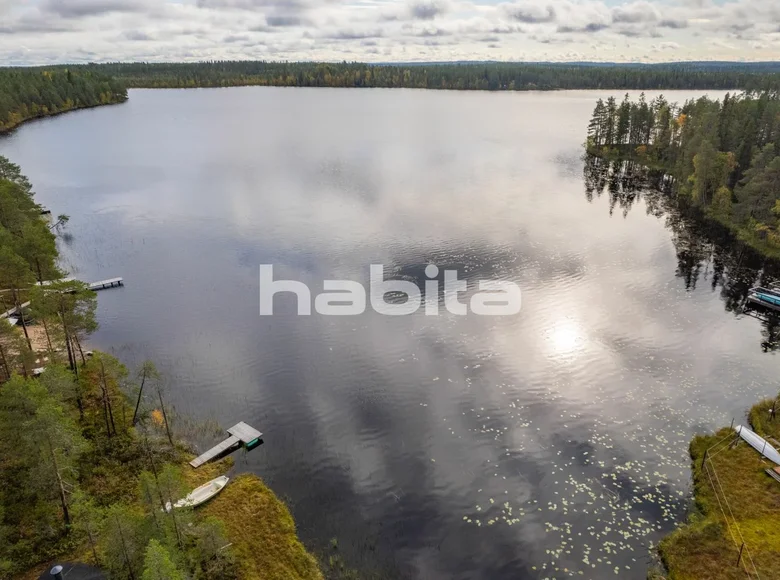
<point>200,495</point>
<point>769,297</point>
<point>759,443</point>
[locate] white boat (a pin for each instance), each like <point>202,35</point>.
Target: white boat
<point>201,495</point>
<point>759,444</point>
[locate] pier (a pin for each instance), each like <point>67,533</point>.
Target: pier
<point>241,435</point>
<point>103,284</point>
<point>14,310</point>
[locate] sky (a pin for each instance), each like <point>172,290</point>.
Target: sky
<point>70,31</point>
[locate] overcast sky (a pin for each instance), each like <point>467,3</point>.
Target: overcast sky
<point>46,31</point>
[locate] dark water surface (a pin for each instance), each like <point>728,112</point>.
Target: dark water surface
<point>551,444</point>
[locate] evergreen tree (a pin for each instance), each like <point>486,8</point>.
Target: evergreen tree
<point>158,564</point>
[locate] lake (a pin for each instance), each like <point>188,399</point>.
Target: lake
<point>549,444</point>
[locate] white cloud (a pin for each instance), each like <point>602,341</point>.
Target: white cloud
<point>86,8</point>
<point>43,31</point>
<point>636,12</point>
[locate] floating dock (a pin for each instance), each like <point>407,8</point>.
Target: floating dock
<point>241,435</point>
<point>110,283</point>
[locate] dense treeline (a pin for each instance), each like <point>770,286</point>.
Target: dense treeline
<point>464,76</point>
<point>724,156</point>
<point>27,93</point>
<point>85,461</point>
<point>80,475</point>
<point>28,254</point>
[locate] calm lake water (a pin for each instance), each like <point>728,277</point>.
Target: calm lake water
<point>550,444</point>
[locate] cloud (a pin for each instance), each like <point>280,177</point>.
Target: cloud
<point>636,12</point>
<point>36,23</point>
<point>83,8</point>
<point>585,16</point>
<point>589,27</point>
<point>354,34</point>
<point>427,9</point>
<point>137,36</point>
<point>672,23</point>
<point>232,38</point>
<point>530,12</point>
<point>283,21</point>
<point>288,6</point>
<point>45,31</point>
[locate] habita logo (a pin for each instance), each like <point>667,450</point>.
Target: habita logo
<point>349,298</point>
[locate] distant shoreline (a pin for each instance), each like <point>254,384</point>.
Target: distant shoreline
<point>10,129</point>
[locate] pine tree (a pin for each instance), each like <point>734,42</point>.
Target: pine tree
<point>158,564</point>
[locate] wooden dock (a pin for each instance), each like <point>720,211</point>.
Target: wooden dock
<point>103,284</point>
<point>13,310</point>
<point>241,435</point>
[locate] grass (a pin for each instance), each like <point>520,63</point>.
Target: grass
<point>262,532</point>
<point>704,547</point>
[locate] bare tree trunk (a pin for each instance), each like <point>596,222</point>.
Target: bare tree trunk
<point>172,513</point>
<point>63,498</point>
<point>92,544</point>
<point>124,549</point>
<point>21,317</point>
<point>140,393</point>
<point>154,472</point>
<point>4,362</point>
<point>38,267</point>
<point>71,357</point>
<point>165,418</point>
<point>150,499</point>
<point>105,412</point>
<point>48,337</point>
<point>106,397</point>
<point>78,345</point>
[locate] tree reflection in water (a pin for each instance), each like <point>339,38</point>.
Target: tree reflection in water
<point>706,251</point>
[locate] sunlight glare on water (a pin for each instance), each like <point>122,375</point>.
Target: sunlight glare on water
<point>550,444</point>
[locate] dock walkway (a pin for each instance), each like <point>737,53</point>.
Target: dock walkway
<point>110,283</point>
<point>13,310</point>
<point>241,435</point>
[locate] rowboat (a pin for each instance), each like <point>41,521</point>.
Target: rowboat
<point>200,495</point>
<point>759,444</point>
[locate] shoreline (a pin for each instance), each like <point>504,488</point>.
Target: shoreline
<point>111,462</point>
<point>737,232</point>
<point>734,502</point>
<point>258,523</point>
<point>10,129</point>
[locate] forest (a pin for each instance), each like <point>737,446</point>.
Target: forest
<point>28,93</point>
<point>457,76</point>
<point>91,453</point>
<point>722,157</point>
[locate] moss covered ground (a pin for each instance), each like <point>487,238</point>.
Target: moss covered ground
<point>707,546</point>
